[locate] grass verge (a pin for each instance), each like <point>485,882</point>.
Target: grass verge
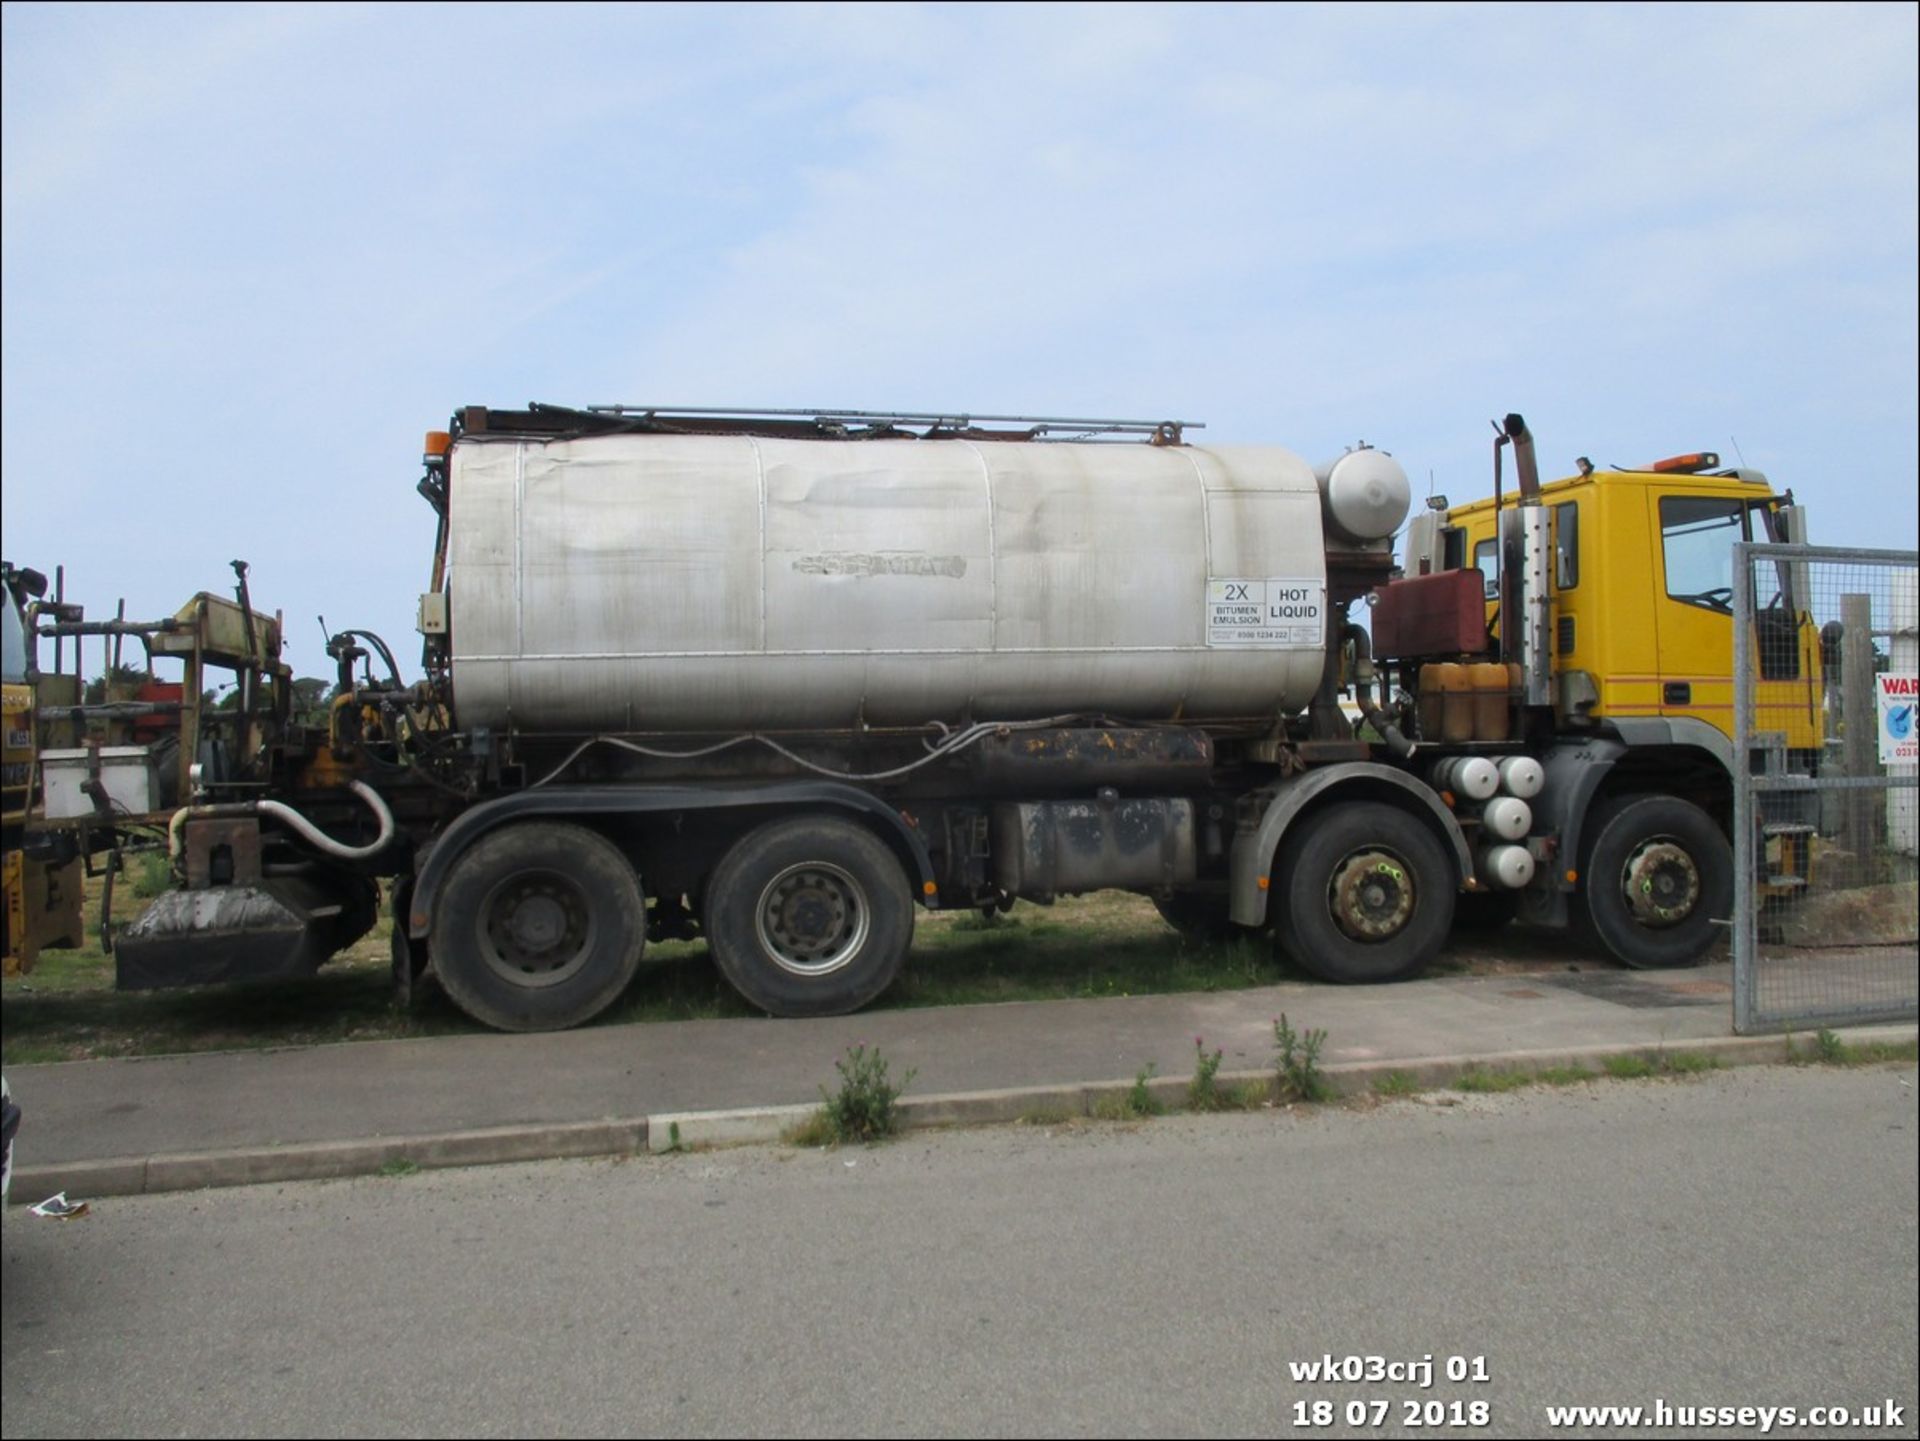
<point>1110,944</point>
<point>1828,1049</point>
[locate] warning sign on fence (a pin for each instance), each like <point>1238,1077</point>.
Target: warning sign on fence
<point>1898,696</point>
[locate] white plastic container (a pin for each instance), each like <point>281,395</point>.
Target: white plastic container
<point>131,779</point>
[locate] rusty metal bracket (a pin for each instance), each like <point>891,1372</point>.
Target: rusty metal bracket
<point>240,836</point>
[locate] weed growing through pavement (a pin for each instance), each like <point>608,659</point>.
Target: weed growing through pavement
<point>399,1166</point>
<point>1203,1092</point>
<point>863,1108</point>
<point>1396,1083</point>
<point>1482,1082</point>
<point>1137,1101</point>
<point>1830,1050</point>
<point>1564,1075</point>
<point>1297,1063</point>
<point>814,1129</point>
<point>1690,1063</point>
<point>1628,1067</point>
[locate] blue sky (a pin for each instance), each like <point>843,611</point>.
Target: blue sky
<point>252,253</point>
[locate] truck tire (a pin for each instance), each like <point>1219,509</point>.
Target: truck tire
<point>1656,877</point>
<point>809,916</point>
<point>1366,894</point>
<point>1200,916</point>
<point>540,926</point>
<point>406,957</point>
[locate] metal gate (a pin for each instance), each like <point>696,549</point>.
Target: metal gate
<point>1825,893</point>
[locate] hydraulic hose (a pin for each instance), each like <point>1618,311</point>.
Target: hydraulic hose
<point>1363,691</point>
<point>311,833</point>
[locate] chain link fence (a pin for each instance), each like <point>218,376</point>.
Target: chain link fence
<point>1825,890</point>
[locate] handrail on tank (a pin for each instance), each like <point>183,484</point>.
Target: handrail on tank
<point>825,422</point>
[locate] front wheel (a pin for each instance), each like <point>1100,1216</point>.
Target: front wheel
<point>539,927</point>
<point>1367,892</point>
<point>809,916</point>
<point>1658,875</point>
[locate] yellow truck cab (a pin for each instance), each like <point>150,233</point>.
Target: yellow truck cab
<point>1642,619</point>
<point>1617,648</point>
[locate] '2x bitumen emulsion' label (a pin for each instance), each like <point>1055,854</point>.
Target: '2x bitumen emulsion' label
<point>1270,612</point>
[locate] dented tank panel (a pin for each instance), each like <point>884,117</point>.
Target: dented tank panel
<point>674,582</point>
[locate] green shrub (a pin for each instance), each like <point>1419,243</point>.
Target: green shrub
<point>150,874</point>
<point>863,1107</point>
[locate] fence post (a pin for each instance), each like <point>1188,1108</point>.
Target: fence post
<point>1745,859</point>
<point>1860,712</point>
<point>1903,619</point>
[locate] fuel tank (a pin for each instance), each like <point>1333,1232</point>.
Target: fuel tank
<point>735,582</point>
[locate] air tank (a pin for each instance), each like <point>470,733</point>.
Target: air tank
<point>1522,776</point>
<point>1507,817</point>
<point>1509,866</point>
<point>735,582</point>
<point>1474,778</point>
<point>1365,494</point>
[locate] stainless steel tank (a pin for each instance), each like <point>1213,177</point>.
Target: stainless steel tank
<point>728,583</point>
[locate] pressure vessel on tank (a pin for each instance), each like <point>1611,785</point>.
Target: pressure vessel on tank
<point>1365,494</point>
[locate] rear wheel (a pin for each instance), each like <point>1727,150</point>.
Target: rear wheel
<point>1367,893</point>
<point>540,926</point>
<point>809,916</point>
<point>1658,874</point>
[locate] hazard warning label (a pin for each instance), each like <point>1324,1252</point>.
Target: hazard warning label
<point>1267,612</point>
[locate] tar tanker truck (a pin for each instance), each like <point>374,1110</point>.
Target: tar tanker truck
<point>778,679</point>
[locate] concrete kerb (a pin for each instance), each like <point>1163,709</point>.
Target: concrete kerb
<point>700,1130</point>
<point>765,1125</point>
<point>327,1160</point>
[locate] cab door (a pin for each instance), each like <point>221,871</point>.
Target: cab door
<point>1694,608</point>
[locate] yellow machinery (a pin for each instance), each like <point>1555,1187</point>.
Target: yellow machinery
<point>43,887</point>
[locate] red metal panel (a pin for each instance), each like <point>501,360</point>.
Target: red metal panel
<point>1443,614</point>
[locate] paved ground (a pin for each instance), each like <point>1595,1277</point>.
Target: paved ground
<point>1742,1239</point>
<point>103,1125</point>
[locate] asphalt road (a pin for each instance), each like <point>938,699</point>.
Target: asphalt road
<point>1746,1239</point>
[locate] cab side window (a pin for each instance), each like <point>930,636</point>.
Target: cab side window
<point>1566,545</point>
<point>1487,563</point>
<point>1697,535</point>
